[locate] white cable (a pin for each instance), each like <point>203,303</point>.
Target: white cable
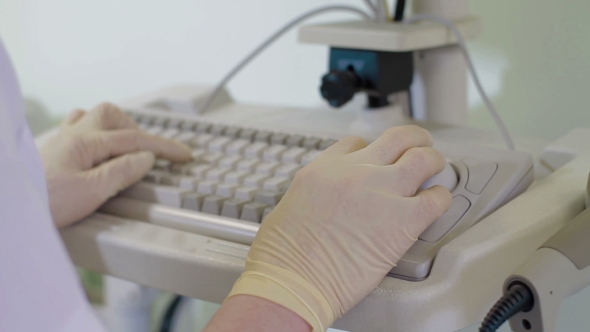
<point>270,40</point>
<point>381,15</point>
<point>372,7</point>
<point>461,41</point>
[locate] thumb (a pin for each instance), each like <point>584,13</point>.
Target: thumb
<point>429,205</point>
<point>116,174</point>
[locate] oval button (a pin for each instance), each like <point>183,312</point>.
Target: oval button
<point>480,173</point>
<point>444,224</point>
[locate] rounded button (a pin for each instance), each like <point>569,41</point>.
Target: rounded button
<point>447,178</point>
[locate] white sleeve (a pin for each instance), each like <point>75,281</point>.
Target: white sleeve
<point>39,289</point>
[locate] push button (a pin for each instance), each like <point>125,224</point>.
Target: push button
<point>480,173</point>
<point>442,226</point>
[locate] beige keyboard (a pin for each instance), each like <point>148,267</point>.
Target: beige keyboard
<point>238,175</point>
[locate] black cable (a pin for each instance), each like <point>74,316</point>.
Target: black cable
<point>400,8</point>
<point>168,320</point>
<point>518,298</point>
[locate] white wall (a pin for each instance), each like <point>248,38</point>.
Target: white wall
<point>532,53</point>
<point>70,53</point>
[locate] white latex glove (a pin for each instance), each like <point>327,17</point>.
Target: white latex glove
<point>346,220</point>
<point>94,156</point>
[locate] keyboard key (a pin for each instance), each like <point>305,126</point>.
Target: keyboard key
<point>278,183</point>
<point>278,138</point>
<point>155,130</point>
<point>213,204</point>
<point>201,140</point>
<point>227,189</point>
<point>263,136</point>
<point>253,212</point>
<point>269,197</point>
<point>212,158</point>
<point>185,137</point>
<point>232,132</point>
<point>274,152</point>
<point>326,143</point>
<point>295,140</point>
<point>162,164</point>
<point>200,170</point>
<point>169,180</point>
<point>154,193</point>
<point>246,193</point>
<point>170,133</point>
<point>237,147</point>
<point>188,125</point>
<point>207,187</point>
<point>232,208</point>
<point>248,134</point>
<point>217,174</point>
<point>267,211</point>
<point>236,177</point>
<point>309,157</point>
<point>229,161</point>
<point>188,183</point>
<point>255,180</point>
<point>174,123</point>
<point>193,201</point>
<point>198,154</point>
<point>311,143</point>
<point>153,176</point>
<point>217,130</point>
<point>145,120</point>
<point>203,127</point>
<point>293,155</point>
<point>182,168</point>
<point>287,170</point>
<point>218,144</point>
<point>267,168</point>
<point>255,150</point>
<point>248,165</point>
<point>161,122</point>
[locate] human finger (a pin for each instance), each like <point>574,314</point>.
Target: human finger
<point>118,142</point>
<point>392,144</point>
<point>108,116</point>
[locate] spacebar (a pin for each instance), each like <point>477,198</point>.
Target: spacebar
<point>185,220</point>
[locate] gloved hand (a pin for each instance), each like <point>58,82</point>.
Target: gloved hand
<point>94,156</point>
<point>346,220</point>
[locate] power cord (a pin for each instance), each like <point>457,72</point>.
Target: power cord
<point>461,42</point>
<point>400,8</point>
<point>272,39</point>
<point>518,298</point>
<point>168,319</point>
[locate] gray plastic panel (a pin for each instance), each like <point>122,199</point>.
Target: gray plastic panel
<point>573,241</point>
<point>504,174</point>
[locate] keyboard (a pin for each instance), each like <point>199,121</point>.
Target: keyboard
<point>239,174</point>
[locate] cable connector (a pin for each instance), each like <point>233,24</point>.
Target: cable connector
<point>517,299</point>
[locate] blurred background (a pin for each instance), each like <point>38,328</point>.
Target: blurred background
<point>532,57</point>
<point>532,54</point>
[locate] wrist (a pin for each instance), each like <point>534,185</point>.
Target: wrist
<point>288,290</point>
<point>246,313</point>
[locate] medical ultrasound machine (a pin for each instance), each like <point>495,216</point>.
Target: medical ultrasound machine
<point>517,228</point>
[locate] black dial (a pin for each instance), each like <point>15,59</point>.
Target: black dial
<point>338,87</point>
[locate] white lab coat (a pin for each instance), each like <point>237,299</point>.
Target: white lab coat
<point>39,289</point>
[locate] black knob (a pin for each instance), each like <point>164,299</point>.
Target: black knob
<point>338,87</point>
